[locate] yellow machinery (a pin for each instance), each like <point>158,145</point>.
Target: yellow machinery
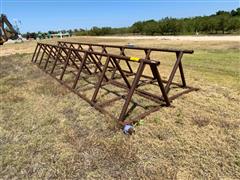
<point>6,30</point>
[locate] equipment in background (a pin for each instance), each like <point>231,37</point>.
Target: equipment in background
<point>6,30</point>
<point>42,35</point>
<point>60,35</point>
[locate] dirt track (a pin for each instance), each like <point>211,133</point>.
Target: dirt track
<point>180,38</point>
<point>186,42</point>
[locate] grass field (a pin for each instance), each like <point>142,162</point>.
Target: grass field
<point>48,132</point>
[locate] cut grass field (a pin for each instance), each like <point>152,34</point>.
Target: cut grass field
<point>47,131</point>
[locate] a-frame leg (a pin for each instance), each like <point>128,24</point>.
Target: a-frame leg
<point>66,63</point>
<point>98,85</point>
<point>181,71</point>
<point>35,52</point>
<point>38,51</point>
<point>169,82</point>
<point>131,91</point>
<point>80,70</point>
<point>47,60</point>
<point>56,59</point>
<point>157,76</point>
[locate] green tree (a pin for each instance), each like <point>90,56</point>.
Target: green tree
<point>150,27</point>
<point>137,27</point>
<point>222,21</point>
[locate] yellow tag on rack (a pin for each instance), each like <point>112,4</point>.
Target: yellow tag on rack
<point>134,58</point>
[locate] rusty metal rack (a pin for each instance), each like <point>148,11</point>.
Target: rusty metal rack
<point>105,48</point>
<point>87,62</point>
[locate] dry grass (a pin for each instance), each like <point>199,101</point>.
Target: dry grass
<point>48,132</point>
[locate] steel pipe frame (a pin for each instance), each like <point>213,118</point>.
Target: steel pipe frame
<point>153,64</point>
<point>53,51</point>
<point>169,82</point>
<point>90,48</point>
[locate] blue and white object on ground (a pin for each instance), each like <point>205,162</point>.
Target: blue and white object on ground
<point>126,129</point>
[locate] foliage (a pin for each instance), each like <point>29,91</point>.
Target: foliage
<point>222,22</point>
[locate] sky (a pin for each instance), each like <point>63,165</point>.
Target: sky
<point>44,15</point>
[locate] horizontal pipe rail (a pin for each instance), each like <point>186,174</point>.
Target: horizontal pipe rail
<point>147,61</point>
<point>134,47</point>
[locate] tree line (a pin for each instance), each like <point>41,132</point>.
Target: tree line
<point>222,22</point>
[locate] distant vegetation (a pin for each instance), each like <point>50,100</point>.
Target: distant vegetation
<point>223,22</point>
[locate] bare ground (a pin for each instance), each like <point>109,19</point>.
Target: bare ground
<point>181,38</point>
<point>196,42</point>
<point>48,132</point>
